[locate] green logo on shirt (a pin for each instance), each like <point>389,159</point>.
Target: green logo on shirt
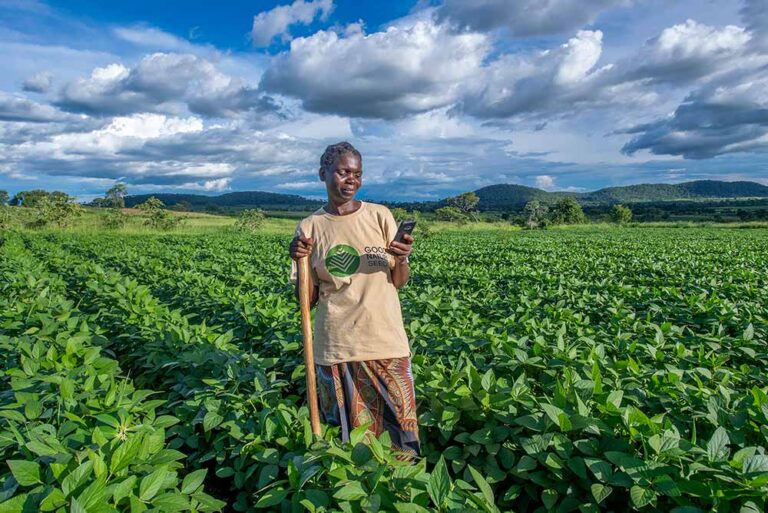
<point>342,260</point>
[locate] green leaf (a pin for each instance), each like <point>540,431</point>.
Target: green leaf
<point>600,492</point>
<point>26,473</point>
<point>208,503</point>
<point>152,484</point>
<point>14,504</point>
<point>211,420</point>
<point>640,496</point>
<point>53,501</point>
<point>409,507</point>
<point>171,502</point>
<point>717,447</point>
<point>439,484</point>
<point>123,489</point>
<point>749,333</point>
<point>549,498</point>
<point>485,488</point>
<point>755,464</point>
<point>271,498</point>
<point>350,491</point>
<point>76,478</point>
<point>193,480</point>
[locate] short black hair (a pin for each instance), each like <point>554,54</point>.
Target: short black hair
<point>334,151</point>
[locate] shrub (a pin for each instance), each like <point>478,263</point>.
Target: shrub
<point>250,220</point>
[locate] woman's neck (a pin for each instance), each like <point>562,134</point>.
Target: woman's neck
<point>342,209</point>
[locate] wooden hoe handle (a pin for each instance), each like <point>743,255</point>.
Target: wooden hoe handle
<point>305,297</point>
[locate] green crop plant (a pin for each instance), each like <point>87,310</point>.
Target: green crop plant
<point>576,370</point>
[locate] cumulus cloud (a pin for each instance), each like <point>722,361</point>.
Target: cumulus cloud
<point>726,116</point>
<point>38,83</point>
<point>546,182</point>
<point>548,84</point>
<point>755,16</point>
<point>686,52</point>
<point>390,74</point>
<point>163,82</point>
<point>276,22</point>
<point>524,18</point>
<point>19,108</point>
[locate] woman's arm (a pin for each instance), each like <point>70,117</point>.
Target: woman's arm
<point>401,251</point>
<point>301,247</point>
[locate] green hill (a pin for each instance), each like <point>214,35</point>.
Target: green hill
<point>232,200</point>
<point>510,196</point>
<point>700,189</point>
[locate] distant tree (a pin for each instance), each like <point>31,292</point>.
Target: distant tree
<point>4,198</point>
<point>213,208</point>
<point>30,199</point>
<point>151,204</point>
<point>399,214</point>
<point>250,220</point>
<point>159,218</point>
<point>113,219</point>
<point>57,208</point>
<point>99,203</point>
<point>423,229</point>
<point>568,211</point>
<point>451,214</point>
<point>116,195</point>
<point>465,202</point>
<point>621,214</point>
<point>535,214</point>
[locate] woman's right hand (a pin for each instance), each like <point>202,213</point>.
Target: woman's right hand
<point>300,247</point>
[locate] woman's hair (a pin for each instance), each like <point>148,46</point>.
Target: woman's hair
<point>333,152</point>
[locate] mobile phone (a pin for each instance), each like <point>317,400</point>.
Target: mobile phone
<point>405,227</point>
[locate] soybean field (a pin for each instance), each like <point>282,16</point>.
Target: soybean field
<point>571,370</point>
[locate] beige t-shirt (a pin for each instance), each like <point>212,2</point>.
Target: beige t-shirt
<point>358,313</point>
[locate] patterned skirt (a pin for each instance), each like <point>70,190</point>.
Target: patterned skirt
<point>375,392</point>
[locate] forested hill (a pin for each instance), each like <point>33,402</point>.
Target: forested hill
<point>495,197</point>
<point>246,199</point>
<point>700,189</point>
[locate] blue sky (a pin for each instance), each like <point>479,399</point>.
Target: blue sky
<point>440,96</point>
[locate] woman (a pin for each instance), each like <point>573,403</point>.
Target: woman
<point>362,354</point>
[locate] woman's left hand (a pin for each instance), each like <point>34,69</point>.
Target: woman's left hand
<point>401,250</point>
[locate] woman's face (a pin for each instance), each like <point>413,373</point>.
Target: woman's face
<point>344,179</point>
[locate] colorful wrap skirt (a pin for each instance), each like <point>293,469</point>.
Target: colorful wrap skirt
<point>375,392</point>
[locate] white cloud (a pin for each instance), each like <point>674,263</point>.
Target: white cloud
<point>300,185</point>
<point>524,17</point>
<point>390,74</point>
<point>167,83</point>
<point>20,108</point>
<point>38,83</point>
<point>548,84</point>
<point>121,134</point>
<point>755,16</point>
<point>218,185</point>
<point>276,22</point>
<point>153,38</point>
<point>685,53</point>
<point>545,182</point>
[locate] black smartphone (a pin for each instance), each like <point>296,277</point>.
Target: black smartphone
<point>405,227</point>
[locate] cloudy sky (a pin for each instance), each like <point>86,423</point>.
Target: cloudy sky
<point>440,96</point>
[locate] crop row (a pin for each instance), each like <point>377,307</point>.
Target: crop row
<point>235,415</point>
<point>574,371</point>
<point>75,434</point>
